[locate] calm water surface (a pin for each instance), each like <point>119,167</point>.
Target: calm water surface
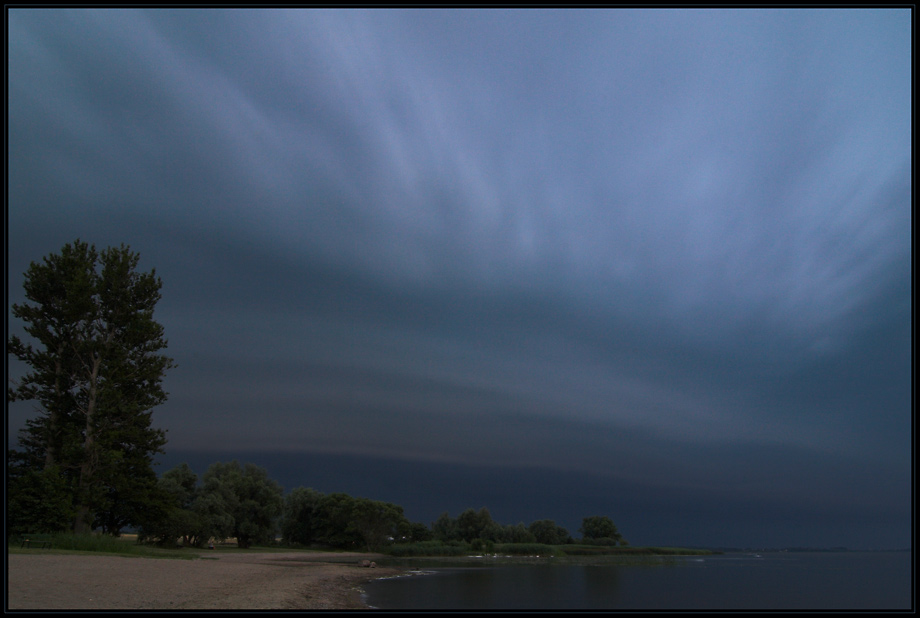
<point>772,580</point>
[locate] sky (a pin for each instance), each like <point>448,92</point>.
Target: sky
<point>650,264</point>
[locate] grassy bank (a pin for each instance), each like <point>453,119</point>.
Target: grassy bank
<point>99,543</point>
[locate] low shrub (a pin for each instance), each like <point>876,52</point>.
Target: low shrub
<point>482,545</point>
<point>104,543</point>
<point>604,550</point>
<point>603,541</point>
<point>92,542</point>
<point>427,548</point>
<point>527,549</point>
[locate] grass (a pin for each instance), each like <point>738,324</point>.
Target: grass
<point>426,548</point>
<point>528,549</point>
<point>66,543</point>
<point>126,545</point>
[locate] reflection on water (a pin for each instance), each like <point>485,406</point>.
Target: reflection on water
<point>852,580</point>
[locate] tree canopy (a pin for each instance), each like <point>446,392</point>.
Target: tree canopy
<point>600,528</point>
<point>252,500</point>
<point>96,373</point>
<point>546,531</point>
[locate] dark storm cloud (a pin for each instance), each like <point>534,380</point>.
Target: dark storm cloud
<point>616,241</point>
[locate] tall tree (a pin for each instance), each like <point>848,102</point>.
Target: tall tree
<point>247,496</point>
<point>189,514</point>
<point>62,290</point>
<point>96,374</point>
<point>333,521</point>
<point>477,524</point>
<point>546,531</point>
<point>298,522</point>
<point>598,527</point>
<point>445,528</point>
<point>377,522</point>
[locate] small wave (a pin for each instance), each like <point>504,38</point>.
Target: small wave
<point>409,573</point>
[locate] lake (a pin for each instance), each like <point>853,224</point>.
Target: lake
<point>732,581</point>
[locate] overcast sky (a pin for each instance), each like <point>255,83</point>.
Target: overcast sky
<point>654,264</point>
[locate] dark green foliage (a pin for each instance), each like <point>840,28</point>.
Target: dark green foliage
<point>130,496</point>
<point>416,533</point>
<point>215,520</point>
<point>604,541</point>
<point>40,500</point>
<point>332,524</point>
<point>299,516</point>
<point>478,525</point>
<point>527,549</point>
<point>104,543</point>
<point>134,505</point>
<point>245,495</point>
<point>599,527</point>
<point>445,529</point>
<point>546,531</point>
<point>482,545</point>
<point>186,519</point>
<point>518,533</point>
<point>341,521</point>
<point>182,484</point>
<point>427,548</point>
<point>95,373</point>
<point>176,527</point>
<point>471,525</point>
<point>377,522</point>
<point>584,549</point>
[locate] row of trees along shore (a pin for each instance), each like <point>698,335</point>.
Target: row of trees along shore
<point>241,501</point>
<point>85,461</point>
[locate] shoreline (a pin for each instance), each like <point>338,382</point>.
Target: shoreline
<point>228,581</point>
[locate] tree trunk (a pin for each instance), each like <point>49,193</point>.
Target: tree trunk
<point>55,412</point>
<point>83,521</point>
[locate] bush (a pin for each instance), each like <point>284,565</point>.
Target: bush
<point>546,532</point>
<point>177,526</point>
<point>603,550</point>
<point>89,542</point>
<point>527,549</point>
<point>38,501</point>
<point>108,544</point>
<point>427,548</point>
<point>604,541</point>
<point>95,542</point>
<point>483,545</point>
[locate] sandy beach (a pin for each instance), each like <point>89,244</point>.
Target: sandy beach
<point>228,581</point>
